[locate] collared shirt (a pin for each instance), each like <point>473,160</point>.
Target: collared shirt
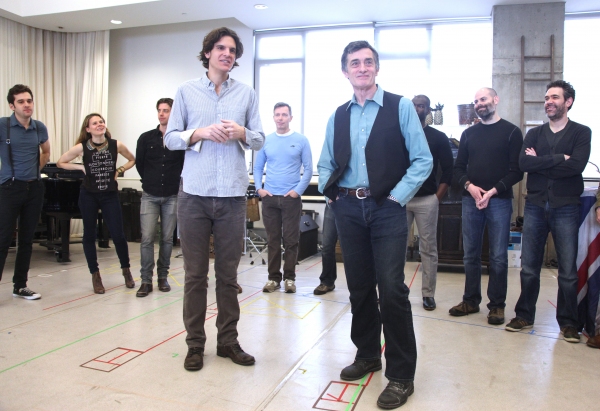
<point>159,167</point>
<point>284,154</point>
<point>214,169</point>
<point>25,146</point>
<point>361,122</point>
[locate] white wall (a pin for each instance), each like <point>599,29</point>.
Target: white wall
<point>148,63</point>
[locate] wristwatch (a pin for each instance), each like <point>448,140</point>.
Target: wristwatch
<point>467,184</point>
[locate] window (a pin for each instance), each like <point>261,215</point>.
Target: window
<point>446,62</point>
<point>582,37</point>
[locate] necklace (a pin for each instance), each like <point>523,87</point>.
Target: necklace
<point>100,147</point>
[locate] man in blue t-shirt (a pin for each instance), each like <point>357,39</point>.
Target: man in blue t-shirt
<point>284,152</point>
<point>21,189</point>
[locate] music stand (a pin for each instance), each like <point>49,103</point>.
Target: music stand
<point>251,239</point>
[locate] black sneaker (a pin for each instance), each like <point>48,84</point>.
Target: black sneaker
<point>193,360</point>
<point>395,394</point>
<point>26,293</point>
<point>570,334</point>
<point>518,324</point>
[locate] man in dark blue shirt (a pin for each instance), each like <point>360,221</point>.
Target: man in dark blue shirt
<point>160,170</point>
<point>21,189</point>
<point>423,208</point>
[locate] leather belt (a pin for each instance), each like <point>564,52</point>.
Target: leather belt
<point>360,192</point>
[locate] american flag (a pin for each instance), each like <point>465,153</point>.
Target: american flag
<point>588,265</point>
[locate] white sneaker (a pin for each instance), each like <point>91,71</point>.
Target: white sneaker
<point>26,293</point>
<point>290,286</point>
<point>271,286</point>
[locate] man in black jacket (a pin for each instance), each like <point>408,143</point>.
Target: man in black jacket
<point>160,170</point>
<point>554,155</point>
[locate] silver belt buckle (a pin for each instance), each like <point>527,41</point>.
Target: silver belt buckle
<point>364,189</point>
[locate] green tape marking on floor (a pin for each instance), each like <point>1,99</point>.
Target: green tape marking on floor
<point>356,392</point>
<point>89,336</point>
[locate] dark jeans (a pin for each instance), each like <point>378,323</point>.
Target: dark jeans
<point>330,236</point>
<point>108,202</point>
<point>22,200</point>
<point>281,217</point>
<point>497,218</point>
<point>197,217</point>
<point>563,223</point>
<point>373,240</point>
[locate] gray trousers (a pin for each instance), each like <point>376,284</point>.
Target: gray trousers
<point>281,217</point>
<point>424,211</point>
<point>225,217</point>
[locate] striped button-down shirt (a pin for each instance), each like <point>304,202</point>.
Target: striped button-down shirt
<point>214,169</point>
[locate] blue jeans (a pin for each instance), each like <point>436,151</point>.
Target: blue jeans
<point>20,200</point>
<point>563,223</point>
<point>373,240</point>
<point>151,208</point>
<point>497,218</point>
<point>330,236</point>
<point>108,202</point>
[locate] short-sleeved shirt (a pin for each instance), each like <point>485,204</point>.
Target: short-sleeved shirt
<point>25,145</point>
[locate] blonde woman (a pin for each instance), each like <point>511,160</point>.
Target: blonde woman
<point>99,191</point>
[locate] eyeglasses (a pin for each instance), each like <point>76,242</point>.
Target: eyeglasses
<point>421,106</point>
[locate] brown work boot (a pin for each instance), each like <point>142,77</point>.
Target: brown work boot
<point>463,308</point>
<point>97,283</point>
<point>129,283</point>
<point>496,316</point>
<point>594,342</point>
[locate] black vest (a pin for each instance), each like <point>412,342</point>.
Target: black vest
<point>386,153</point>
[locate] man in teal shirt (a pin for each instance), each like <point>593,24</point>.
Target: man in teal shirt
<point>284,152</point>
<point>374,159</point>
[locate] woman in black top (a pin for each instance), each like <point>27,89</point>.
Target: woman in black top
<point>99,190</point>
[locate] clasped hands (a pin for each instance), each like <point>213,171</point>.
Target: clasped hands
<point>481,196</point>
<point>220,133</point>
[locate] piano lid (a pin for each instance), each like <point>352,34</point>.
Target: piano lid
<point>52,171</point>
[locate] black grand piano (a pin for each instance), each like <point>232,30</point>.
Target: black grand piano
<point>61,200</point>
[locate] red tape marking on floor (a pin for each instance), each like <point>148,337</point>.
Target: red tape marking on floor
<point>80,298</point>
<point>414,275</point>
<point>311,266</point>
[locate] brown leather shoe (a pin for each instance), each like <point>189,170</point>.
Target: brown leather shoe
<point>144,290</point>
<point>129,283</point>
<point>193,360</point>
<point>594,342</point>
<point>97,283</point>
<point>236,354</point>
<point>163,285</point>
